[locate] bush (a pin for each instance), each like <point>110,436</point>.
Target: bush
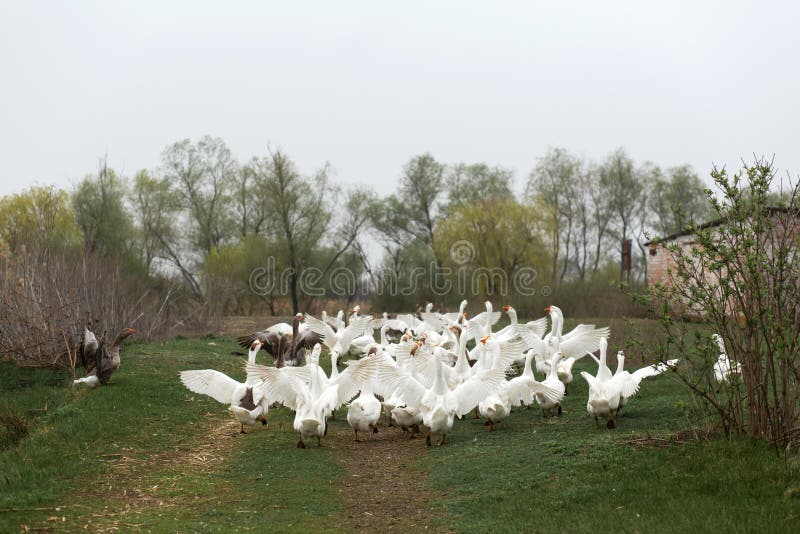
<point>741,277</point>
<point>47,299</point>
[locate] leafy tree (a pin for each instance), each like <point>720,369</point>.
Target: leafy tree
<point>39,217</point>
<point>202,175</point>
<point>678,200</point>
<point>470,184</point>
<point>155,208</point>
<point>488,236</point>
<point>99,205</point>
<point>554,180</point>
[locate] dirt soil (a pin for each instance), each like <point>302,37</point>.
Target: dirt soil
<point>125,484</point>
<point>385,490</point>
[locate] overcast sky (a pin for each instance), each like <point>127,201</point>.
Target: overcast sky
<point>367,85</point>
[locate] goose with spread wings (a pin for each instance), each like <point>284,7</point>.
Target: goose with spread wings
<point>438,403</point>
<point>99,360</point>
<point>312,402</point>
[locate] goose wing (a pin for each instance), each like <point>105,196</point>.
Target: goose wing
<point>324,330</point>
<point>215,384</point>
<point>582,340</point>
<point>351,380</point>
<point>283,385</point>
<point>538,327</point>
<point>394,379</point>
<point>473,391</point>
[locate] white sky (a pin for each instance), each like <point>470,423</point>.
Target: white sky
<point>367,85</point>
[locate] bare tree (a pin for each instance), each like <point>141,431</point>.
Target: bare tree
<point>554,180</point>
<point>300,209</point>
<point>422,184</point>
<point>624,190</point>
<point>203,175</point>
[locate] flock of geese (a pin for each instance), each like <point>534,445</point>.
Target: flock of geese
<point>426,369</point>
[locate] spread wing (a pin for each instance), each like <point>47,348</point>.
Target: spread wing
<point>356,328</point>
<point>276,385</point>
<point>481,317</point>
<point>215,384</point>
<point>511,351</point>
<point>324,330</point>
<point>473,391</point>
<point>538,327</point>
<point>351,380</point>
<point>594,385</point>
<point>395,379</point>
<point>582,340</point>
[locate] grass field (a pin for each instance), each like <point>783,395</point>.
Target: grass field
<point>144,453</point>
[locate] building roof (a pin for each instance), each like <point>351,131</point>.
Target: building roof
<point>710,224</point>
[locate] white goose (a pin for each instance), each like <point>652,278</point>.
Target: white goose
<point>629,382</point>
<point>339,341</point>
<point>604,391</point>
<point>312,402</point>
<point>453,317</point>
<point>549,402</point>
<point>518,390</point>
<point>578,342</point>
<point>724,366</point>
<point>439,404</point>
<point>514,329</point>
<point>243,404</point>
<point>364,411</point>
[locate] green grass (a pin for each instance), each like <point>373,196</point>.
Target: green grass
<point>531,474</point>
<point>70,458</point>
<point>565,474</point>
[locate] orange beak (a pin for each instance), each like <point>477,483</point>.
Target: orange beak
<point>506,308</point>
<point>547,309</point>
<point>484,339</point>
<point>131,330</point>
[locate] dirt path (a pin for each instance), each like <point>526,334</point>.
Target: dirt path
<point>384,491</point>
<point>127,489</point>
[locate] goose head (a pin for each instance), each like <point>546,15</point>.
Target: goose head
<point>429,307</point>
<point>620,362</point>
<point>124,334</point>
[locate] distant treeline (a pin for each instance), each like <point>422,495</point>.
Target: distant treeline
<point>261,235</point>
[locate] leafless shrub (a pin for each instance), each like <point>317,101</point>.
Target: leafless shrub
<point>46,300</point>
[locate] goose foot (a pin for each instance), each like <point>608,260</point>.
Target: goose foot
<point>374,429</point>
<point>319,442</point>
<point>263,421</point>
<point>428,439</point>
<point>610,423</point>
<point>559,409</point>
<point>441,441</point>
<point>300,444</point>
<point>356,433</point>
<point>242,430</point>
<point>491,428</point>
